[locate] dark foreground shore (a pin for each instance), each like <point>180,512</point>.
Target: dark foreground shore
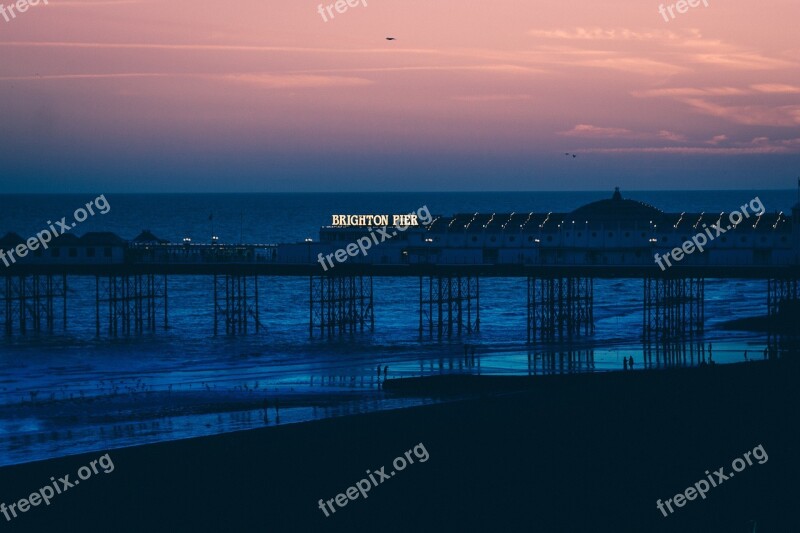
<point>581,453</point>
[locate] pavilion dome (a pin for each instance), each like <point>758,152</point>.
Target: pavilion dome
<point>616,208</point>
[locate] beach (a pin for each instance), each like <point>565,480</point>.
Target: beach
<point>588,452</point>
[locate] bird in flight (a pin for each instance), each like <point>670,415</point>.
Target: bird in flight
<point>569,154</point>
<point>390,38</point>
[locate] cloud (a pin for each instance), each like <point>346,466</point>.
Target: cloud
<point>751,115</point>
<point>269,81</point>
<point>492,97</point>
<point>757,146</point>
<point>692,150</point>
<point>776,88</point>
<point>292,81</point>
<point>702,100</point>
<point>742,61</point>
<point>93,3</point>
<point>605,34</point>
<point>692,91</point>
<point>670,136</point>
<point>587,130</point>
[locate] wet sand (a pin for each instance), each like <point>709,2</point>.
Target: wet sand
<point>585,452</point>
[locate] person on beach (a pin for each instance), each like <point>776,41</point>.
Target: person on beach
<point>631,363</point>
<point>745,355</point>
<point>624,363</point>
<point>385,371</point>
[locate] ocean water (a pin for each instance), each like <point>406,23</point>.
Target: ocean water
<point>70,392</point>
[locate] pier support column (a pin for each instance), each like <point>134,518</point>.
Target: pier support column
<point>783,309</point>
<point>131,302</point>
<point>236,303</point>
<point>559,307</point>
<point>673,308</point>
<point>340,304</point>
<point>449,305</point>
<point>31,302</point>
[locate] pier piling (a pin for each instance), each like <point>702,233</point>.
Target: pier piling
<point>340,304</point>
<point>559,307</point>
<point>30,300</point>
<point>449,305</point>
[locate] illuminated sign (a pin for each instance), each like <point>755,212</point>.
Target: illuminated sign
<point>374,220</point>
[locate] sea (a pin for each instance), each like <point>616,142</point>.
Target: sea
<point>70,392</point>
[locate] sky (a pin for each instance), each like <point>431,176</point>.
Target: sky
<point>268,96</point>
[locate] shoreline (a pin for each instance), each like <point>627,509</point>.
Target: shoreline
<point>566,453</point>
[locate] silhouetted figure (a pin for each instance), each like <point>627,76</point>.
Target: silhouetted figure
<point>385,371</point>
<point>745,355</point>
<point>631,363</point>
<point>624,363</point>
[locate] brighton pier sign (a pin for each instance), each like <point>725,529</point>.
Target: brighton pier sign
<point>374,220</point>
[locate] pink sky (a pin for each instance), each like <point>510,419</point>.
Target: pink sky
<point>470,95</point>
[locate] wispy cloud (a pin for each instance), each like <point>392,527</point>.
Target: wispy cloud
<point>292,81</point>
<point>759,145</point>
<point>266,80</point>
<point>588,130</point>
<point>692,91</point>
<point>605,34</point>
<point>776,88</point>
<point>752,115</point>
<point>492,97</point>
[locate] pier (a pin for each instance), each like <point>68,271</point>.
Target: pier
<point>555,256</point>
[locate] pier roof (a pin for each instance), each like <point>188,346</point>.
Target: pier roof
<point>10,240</point>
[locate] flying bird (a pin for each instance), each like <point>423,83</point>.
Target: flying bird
<point>390,38</point>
